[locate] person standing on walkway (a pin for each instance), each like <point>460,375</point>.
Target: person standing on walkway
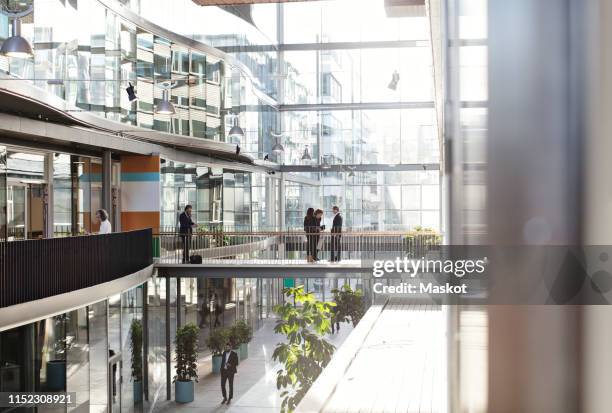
<point>186,226</point>
<point>229,362</point>
<point>336,230</point>
<point>105,225</point>
<point>318,229</point>
<point>310,224</point>
<point>335,321</point>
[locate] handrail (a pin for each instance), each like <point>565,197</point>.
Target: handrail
<point>35,269</point>
<point>291,246</point>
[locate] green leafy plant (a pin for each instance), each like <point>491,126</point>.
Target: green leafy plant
<point>62,342</point>
<point>186,353</point>
<point>242,332</point>
<point>350,304</point>
<point>136,349</point>
<point>303,321</point>
<point>233,337</point>
<point>216,340</point>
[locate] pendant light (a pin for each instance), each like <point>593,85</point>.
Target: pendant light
<point>165,107</point>
<point>278,148</point>
<point>236,131</point>
<point>16,45</point>
<point>306,156</point>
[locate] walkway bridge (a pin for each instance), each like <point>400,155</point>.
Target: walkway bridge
<point>283,254</point>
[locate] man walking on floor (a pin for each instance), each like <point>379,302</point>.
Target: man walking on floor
<point>229,361</point>
<point>336,230</point>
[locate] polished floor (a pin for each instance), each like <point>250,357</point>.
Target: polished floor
<point>255,384</point>
<point>401,365</point>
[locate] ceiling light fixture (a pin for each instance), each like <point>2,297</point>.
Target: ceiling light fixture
<point>278,147</point>
<point>165,107</point>
<point>306,156</point>
<point>16,45</point>
<point>236,131</point>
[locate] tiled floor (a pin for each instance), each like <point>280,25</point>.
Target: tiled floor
<point>254,385</point>
<point>401,366</point>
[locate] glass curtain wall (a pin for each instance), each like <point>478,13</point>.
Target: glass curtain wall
<point>90,64</point>
<point>76,352</point>
<point>380,112</point>
<point>156,338</point>
<point>237,201</point>
<point>219,199</point>
<point>210,303</point>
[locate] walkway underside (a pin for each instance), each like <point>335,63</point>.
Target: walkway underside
<point>266,269</point>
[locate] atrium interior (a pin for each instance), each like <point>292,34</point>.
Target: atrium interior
<point>159,159</point>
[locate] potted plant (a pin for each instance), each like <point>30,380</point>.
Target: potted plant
<point>350,304</point>
<point>216,342</point>
<point>244,334</point>
<point>186,343</point>
<point>56,367</point>
<point>234,340</point>
<point>136,349</point>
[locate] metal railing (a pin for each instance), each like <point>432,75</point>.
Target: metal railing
<point>36,269</point>
<point>290,246</point>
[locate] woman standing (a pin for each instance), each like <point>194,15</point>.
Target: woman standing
<point>310,224</point>
<point>318,228</point>
<point>105,225</point>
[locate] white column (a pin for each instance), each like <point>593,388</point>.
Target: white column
<point>48,196</point>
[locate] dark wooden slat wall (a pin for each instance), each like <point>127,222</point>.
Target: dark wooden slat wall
<point>35,269</point>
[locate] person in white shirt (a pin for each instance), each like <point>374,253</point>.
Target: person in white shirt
<point>105,225</point>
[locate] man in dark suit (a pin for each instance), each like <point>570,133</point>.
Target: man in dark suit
<point>336,230</point>
<point>229,361</point>
<point>186,226</point>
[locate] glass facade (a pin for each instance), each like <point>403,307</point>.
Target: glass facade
<point>90,64</point>
<point>86,351</point>
<point>28,192</point>
<point>220,198</point>
<point>326,87</point>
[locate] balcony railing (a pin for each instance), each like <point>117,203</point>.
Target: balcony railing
<point>292,246</point>
<point>36,269</point>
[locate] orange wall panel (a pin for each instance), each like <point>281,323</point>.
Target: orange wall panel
<point>139,220</point>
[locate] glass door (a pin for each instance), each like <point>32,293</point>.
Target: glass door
<point>115,365</point>
<point>16,216</point>
<point>35,218</point>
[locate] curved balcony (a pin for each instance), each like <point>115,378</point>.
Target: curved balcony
<point>39,269</point>
<point>79,77</point>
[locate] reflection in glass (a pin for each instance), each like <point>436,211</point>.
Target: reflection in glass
<point>77,357</point>
<point>131,316</point>
<point>98,358</point>
<point>62,195</point>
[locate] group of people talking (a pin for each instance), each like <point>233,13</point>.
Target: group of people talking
<point>313,229</point>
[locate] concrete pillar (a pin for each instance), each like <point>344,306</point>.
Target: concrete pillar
<point>107,179</point>
<point>281,203</point>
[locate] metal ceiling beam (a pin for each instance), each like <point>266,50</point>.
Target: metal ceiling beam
<point>362,167</point>
<point>355,106</point>
<point>234,2</point>
<point>383,44</point>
